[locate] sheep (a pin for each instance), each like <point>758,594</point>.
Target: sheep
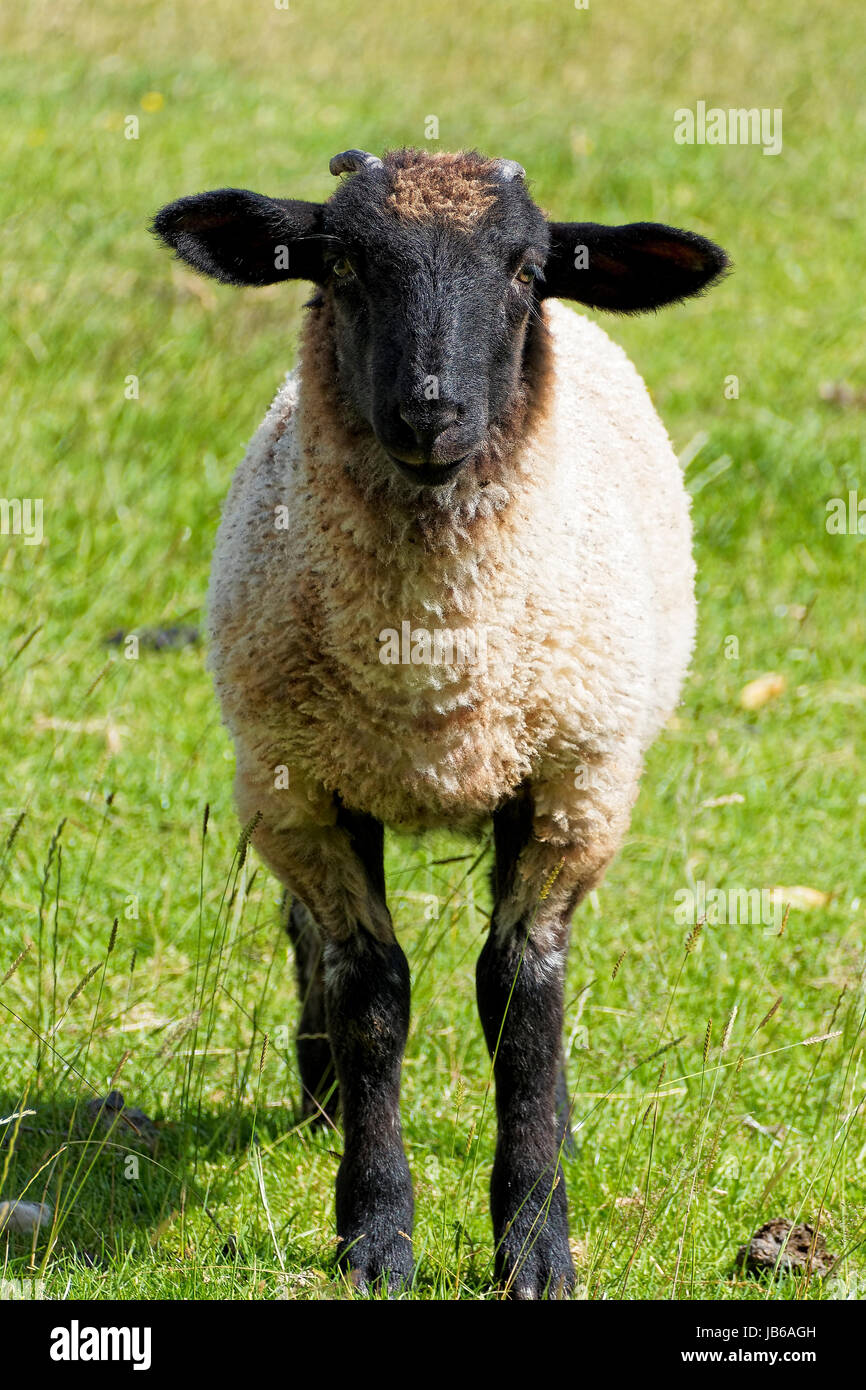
<point>457,451</point>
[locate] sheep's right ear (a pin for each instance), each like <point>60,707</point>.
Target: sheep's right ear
<point>244,238</point>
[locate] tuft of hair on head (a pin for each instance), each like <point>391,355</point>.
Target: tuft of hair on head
<point>436,185</point>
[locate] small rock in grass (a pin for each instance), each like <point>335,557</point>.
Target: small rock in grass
<point>803,1253</point>
<point>24,1217</point>
<point>127,1123</point>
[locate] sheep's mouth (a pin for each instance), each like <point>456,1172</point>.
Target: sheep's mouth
<point>429,474</point>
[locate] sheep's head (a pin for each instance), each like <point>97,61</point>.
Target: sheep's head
<point>434,266</point>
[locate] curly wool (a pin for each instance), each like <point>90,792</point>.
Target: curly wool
<point>568,546</point>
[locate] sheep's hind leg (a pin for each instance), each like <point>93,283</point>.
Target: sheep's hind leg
<point>520,988</point>
<point>319,1090</point>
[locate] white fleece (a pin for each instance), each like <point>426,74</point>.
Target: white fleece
<point>575,564</point>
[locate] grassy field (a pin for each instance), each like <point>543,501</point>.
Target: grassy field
<point>189,1007</point>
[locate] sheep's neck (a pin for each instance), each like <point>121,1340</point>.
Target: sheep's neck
<point>345,472</point>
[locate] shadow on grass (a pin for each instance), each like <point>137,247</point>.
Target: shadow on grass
<point>110,1188</point>
<point>172,1207</point>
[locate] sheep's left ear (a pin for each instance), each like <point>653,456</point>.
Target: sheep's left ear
<point>244,238</point>
<point>626,270</point>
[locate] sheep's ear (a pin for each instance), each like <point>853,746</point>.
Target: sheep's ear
<point>244,238</point>
<point>628,269</point>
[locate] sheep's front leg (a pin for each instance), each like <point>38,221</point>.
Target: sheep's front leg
<point>367,999</point>
<point>520,983</point>
<point>337,871</point>
<point>520,1001</point>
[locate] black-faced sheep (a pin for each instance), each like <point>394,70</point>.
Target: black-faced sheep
<point>457,452</point>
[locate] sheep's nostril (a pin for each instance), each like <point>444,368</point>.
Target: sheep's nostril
<point>427,424</point>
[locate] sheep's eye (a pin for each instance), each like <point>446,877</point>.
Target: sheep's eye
<point>343,269</point>
<point>526,274</point>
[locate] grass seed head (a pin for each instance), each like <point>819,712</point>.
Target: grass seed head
<point>80,986</point>
<point>694,937</point>
<point>16,962</point>
<point>770,1013</point>
<point>726,1036</point>
<point>244,838</point>
<point>550,880</point>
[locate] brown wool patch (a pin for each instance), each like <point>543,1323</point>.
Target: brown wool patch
<point>457,188</point>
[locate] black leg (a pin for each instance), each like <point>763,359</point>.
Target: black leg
<point>367,996</point>
<point>319,1091</point>
<point>520,983</point>
<point>520,1002</point>
<point>512,828</point>
<point>335,866</point>
<point>367,1006</point>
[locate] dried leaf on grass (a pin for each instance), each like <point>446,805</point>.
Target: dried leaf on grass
<point>760,691</point>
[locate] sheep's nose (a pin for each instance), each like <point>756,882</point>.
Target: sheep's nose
<point>429,419</point>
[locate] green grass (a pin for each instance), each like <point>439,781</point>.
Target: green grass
<point>668,1177</point>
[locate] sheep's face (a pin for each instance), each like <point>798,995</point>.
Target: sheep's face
<point>433,267</point>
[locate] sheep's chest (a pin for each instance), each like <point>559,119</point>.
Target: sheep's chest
<point>436,718</point>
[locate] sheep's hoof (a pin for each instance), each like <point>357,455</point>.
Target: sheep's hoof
<point>380,1266</point>
<point>543,1272</point>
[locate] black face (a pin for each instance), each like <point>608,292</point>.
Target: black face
<point>434,296</point>
<point>431,320</point>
